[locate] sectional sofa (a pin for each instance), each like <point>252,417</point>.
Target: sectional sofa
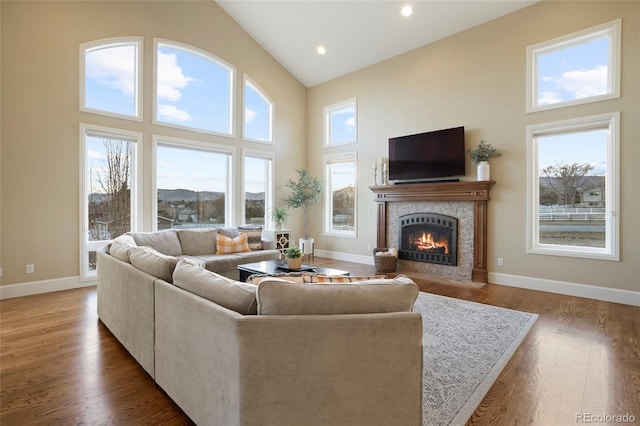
<point>276,353</point>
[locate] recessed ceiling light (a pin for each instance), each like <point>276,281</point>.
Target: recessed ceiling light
<point>406,11</point>
<point>321,50</point>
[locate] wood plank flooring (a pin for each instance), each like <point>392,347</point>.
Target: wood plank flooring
<point>60,365</point>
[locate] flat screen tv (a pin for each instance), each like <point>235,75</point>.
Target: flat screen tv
<point>427,156</point>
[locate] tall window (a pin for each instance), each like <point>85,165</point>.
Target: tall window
<point>193,184</point>
<point>574,69</point>
<point>111,80</point>
<point>258,114</point>
<point>193,89</point>
<point>340,123</point>
<point>340,193</point>
<point>573,187</point>
<point>108,189</point>
<point>258,186</point>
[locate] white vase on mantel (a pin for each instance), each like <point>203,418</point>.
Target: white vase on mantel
<point>484,171</point>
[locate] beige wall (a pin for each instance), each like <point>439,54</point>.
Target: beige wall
<point>477,79</point>
<point>40,116</point>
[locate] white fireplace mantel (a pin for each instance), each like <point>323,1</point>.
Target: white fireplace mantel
<point>475,191</point>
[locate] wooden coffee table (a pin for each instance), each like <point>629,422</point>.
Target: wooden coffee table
<point>280,267</point>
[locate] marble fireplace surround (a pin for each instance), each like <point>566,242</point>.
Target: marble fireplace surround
<point>466,201</point>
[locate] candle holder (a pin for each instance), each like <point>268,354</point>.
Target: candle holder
<point>375,176</point>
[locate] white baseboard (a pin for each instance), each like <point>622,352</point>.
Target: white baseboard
<point>625,297</point>
<point>10,291</point>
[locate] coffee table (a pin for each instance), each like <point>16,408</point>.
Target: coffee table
<point>280,266</point>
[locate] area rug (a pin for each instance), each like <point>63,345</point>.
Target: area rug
<point>465,347</point>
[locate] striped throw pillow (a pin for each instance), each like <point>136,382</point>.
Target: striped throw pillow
<point>311,278</point>
<point>226,245</point>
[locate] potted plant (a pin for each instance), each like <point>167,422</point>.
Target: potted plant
<point>279,216</point>
<point>481,155</point>
<point>304,192</point>
<point>294,257</point>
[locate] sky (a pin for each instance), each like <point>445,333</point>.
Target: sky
<point>193,91</point>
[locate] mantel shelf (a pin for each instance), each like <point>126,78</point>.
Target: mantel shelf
<point>446,191</point>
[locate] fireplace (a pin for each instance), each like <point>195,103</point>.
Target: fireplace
<point>429,237</point>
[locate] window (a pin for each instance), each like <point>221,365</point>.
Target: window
<point>193,89</point>
<point>574,69</point>
<point>258,186</point>
<point>193,184</point>
<point>258,114</point>
<point>110,81</point>
<point>340,202</point>
<point>109,189</point>
<point>573,187</point>
<point>340,125</point>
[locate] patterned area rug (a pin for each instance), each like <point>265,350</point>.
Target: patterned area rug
<point>466,345</point>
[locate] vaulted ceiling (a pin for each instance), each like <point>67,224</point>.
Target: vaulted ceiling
<point>355,34</point>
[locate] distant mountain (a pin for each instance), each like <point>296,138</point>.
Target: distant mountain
<point>175,195</point>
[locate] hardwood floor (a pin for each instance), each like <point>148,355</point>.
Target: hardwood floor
<point>60,365</point>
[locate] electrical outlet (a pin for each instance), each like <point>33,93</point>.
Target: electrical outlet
<point>31,268</point>
<point>500,261</point>
<point>368,247</point>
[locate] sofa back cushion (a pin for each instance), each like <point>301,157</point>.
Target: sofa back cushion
<point>153,262</point>
<point>228,293</point>
<point>279,297</point>
<point>166,242</point>
<point>197,242</point>
<point>120,248</point>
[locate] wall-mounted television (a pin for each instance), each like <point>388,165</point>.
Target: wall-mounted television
<point>427,156</point>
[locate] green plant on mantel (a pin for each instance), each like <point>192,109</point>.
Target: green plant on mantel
<point>293,252</point>
<point>484,152</point>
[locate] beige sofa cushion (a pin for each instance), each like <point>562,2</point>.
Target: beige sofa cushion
<point>120,248</point>
<point>166,242</point>
<point>228,293</point>
<point>153,262</point>
<point>279,297</point>
<point>196,242</point>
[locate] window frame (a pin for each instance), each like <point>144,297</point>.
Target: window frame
<point>327,112</point>
<point>135,170</point>
<point>328,160</point>
<point>270,185</point>
<point>611,251</point>
<point>205,55</point>
<point>246,80</point>
<point>194,145</point>
<point>614,31</point>
<point>137,42</point>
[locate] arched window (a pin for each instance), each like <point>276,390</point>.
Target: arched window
<point>258,114</point>
<point>193,89</point>
<point>110,84</point>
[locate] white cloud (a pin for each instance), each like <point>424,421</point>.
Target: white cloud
<point>172,113</point>
<point>548,98</point>
<point>114,67</point>
<point>170,77</point>
<point>350,122</point>
<point>585,83</point>
<point>249,115</point>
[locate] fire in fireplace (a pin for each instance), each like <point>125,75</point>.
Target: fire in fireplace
<point>429,237</point>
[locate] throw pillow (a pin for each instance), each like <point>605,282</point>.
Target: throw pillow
<point>230,232</point>
<point>254,239</point>
<point>314,278</point>
<point>226,245</point>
